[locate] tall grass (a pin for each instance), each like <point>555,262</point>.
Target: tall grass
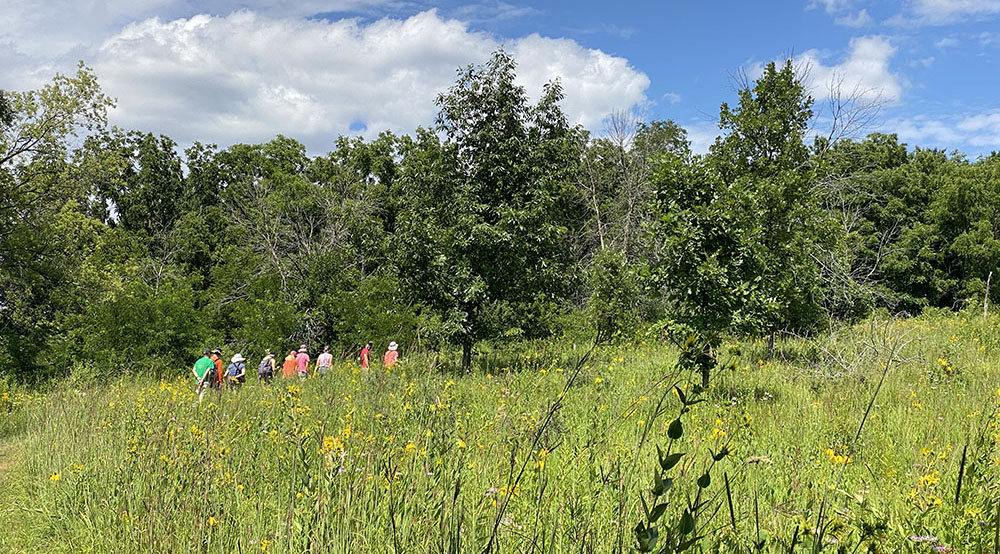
<point>420,460</point>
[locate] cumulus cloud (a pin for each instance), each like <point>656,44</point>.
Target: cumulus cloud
<point>246,76</point>
<point>865,73</point>
<point>866,70</point>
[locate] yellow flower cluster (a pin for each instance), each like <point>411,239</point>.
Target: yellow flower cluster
<point>837,459</point>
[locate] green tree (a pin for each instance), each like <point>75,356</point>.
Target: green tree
<point>44,231</point>
<point>485,221</point>
<point>736,232</point>
<point>763,151</point>
<point>706,239</point>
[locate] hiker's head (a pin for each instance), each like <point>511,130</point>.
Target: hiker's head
<point>326,349</point>
<point>369,345</point>
<point>206,353</point>
<point>270,352</point>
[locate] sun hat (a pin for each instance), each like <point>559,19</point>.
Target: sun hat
<point>303,348</point>
<point>238,358</point>
<point>393,345</point>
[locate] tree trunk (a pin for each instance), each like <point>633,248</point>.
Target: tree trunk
<point>467,355</point>
<point>770,345</point>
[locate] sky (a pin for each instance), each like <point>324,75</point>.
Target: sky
<point>232,71</point>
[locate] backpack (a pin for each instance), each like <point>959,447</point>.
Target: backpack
<point>265,367</point>
<point>212,377</point>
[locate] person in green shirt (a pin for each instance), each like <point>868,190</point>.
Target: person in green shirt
<point>203,369</point>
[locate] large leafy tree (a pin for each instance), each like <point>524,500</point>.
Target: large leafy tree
<point>486,215</point>
<point>763,151</point>
<point>43,232</point>
<point>737,230</point>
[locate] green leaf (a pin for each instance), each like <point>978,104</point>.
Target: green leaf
<point>687,523</point>
<point>670,461</point>
<point>657,512</point>
<point>645,537</point>
<point>659,487</point>
<point>705,480</point>
<point>680,394</point>
<point>675,430</point>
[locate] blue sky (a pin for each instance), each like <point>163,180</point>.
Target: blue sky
<point>230,71</point>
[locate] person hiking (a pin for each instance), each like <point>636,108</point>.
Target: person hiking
<point>237,371</point>
<point>203,372</point>
<point>302,362</point>
<point>267,368</point>
<point>217,360</point>
<point>288,368</point>
<point>324,362</point>
<point>366,355</point>
<point>391,356</point>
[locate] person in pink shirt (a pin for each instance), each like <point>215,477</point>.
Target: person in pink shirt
<point>324,362</point>
<point>365,355</point>
<point>391,356</point>
<point>302,362</point>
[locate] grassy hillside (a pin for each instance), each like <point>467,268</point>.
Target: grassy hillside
<point>411,460</point>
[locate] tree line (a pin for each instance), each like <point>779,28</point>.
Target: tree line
<point>498,222</point>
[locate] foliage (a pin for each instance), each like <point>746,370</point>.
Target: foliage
<point>503,224</point>
<point>485,217</point>
<point>415,459</point>
<point>737,230</point>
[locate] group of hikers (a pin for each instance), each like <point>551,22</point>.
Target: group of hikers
<point>209,372</point>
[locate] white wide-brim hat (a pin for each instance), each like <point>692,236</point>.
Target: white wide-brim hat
<point>393,346</point>
<point>238,358</point>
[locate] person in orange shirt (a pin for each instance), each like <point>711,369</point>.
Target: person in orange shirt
<point>288,368</point>
<point>217,359</point>
<point>391,355</point>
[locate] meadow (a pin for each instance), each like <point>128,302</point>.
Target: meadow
<point>539,454</point>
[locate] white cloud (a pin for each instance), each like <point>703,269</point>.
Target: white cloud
<point>857,20</point>
<point>981,130</point>
<point>922,62</point>
<point>245,76</point>
<point>595,83</point>
<point>947,42</point>
<point>672,97</point>
<point>830,6</point>
<point>865,71</point>
<point>986,38</point>
<point>702,134</point>
<point>950,11</point>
